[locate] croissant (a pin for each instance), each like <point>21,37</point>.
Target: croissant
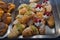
<point>30,31</point>
<point>51,22</point>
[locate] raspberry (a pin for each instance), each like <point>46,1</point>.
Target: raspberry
<point>38,5</point>
<point>45,1</point>
<point>37,20</point>
<point>47,13</point>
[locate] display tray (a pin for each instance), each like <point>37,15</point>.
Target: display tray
<point>10,24</point>
<point>49,33</point>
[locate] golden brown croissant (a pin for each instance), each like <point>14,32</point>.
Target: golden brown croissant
<point>16,31</point>
<point>1,12</point>
<point>11,7</point>
<point>30,31</point>
<point>7,18</point>
<point>3,28</point>
<point>51,22</point>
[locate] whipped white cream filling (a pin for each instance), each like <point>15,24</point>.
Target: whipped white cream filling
<point>38,24</point>
<point>39,9</point>
<point>45,16</point>
<point>32,13</point>
<point>19,16</point>
<point>33,5</point>
<point>15,22</point>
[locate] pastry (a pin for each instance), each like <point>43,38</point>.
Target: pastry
<point>11,7</point>
<point>5,10</point>
<point>13,33</point>
<point>4,6</point>
<point>39,15</point>
<point>33,6</point>
<point>3,28</point>
<point>30,31</point>
<point>34,1</point>
<point>32,19</point>
<point>7,18</point>
<point>48,8</point>
<point>16,31</point>
<point>42,29</point>
<point>51,22</point>
<point>46,4</point>
<point>24,8</point>
<point>1,12</point>
<point>23,11</point>
<point>39,8</point>
<point>24,19</point>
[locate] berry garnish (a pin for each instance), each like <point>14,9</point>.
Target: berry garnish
<point>37,20</point>
<point>47,13</point>
<point>38,5</point>
<point>45,1</point>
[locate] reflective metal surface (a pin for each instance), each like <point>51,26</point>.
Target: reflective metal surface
<point>58,6</point>
<point>10,25</point>
<point>50,33</point>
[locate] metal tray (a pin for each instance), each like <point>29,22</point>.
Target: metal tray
<point>50,33</point>
<point>58,6</point>
<point>10,25</point>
